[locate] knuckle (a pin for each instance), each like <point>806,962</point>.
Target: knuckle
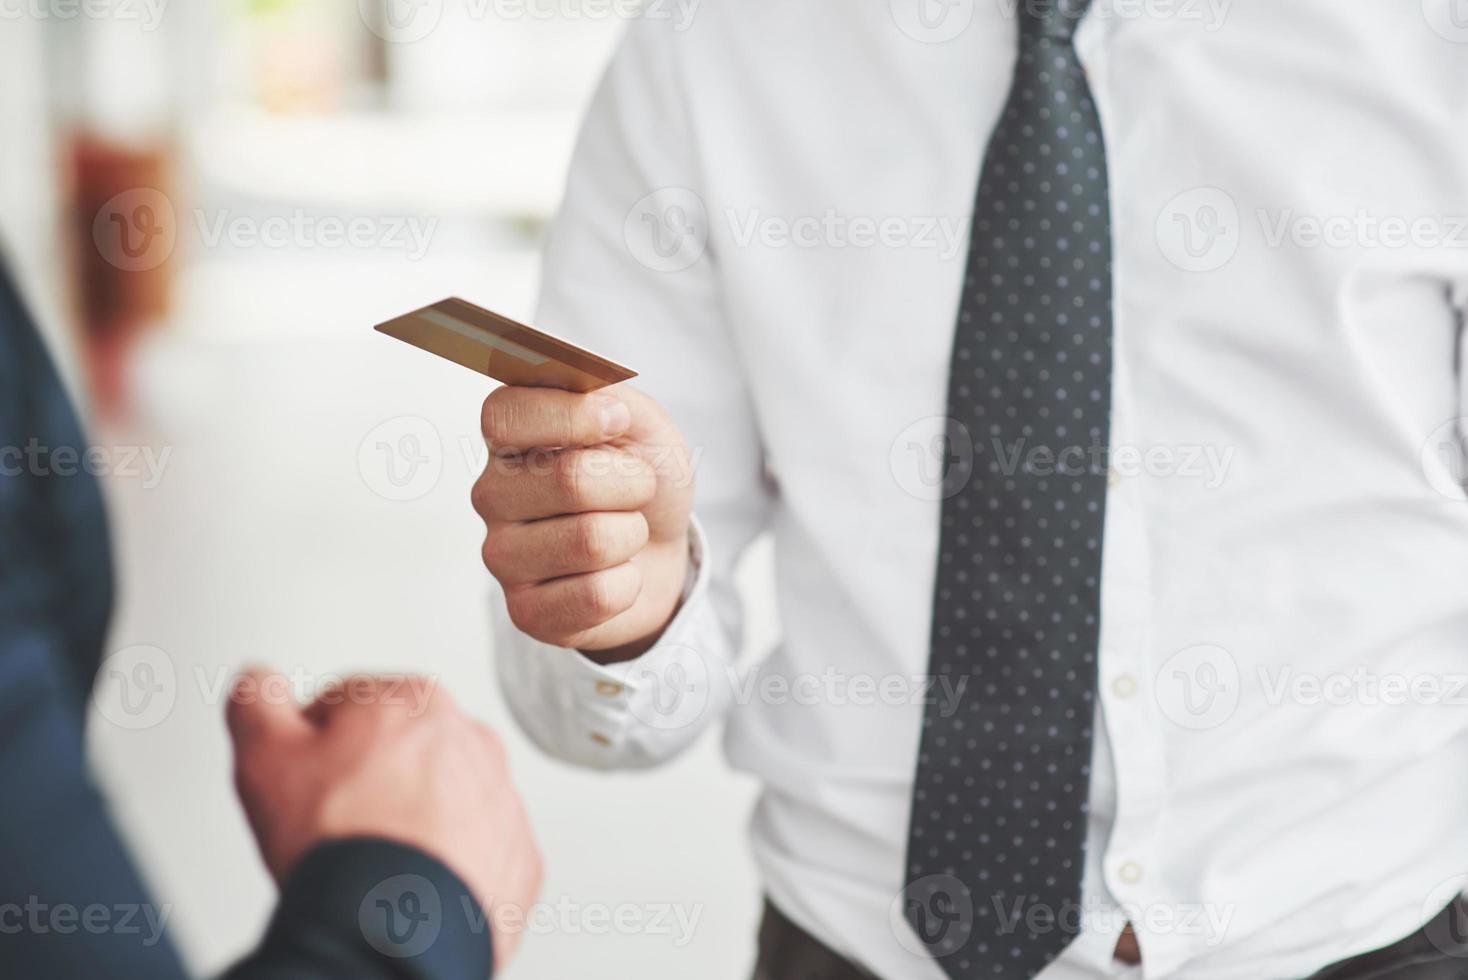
<point>478,497</point>
<point>523,611</point>
<point>641,533</point>
<point>571,417</point>
<point>601,596</point>
<point>497,417</point>
<point>570,477</point>
<point>482,495</point>
<point>494,553</point>
<point>593,539</point>
<point>643,479</point>
<point>387,719</point>
<point>359,689</point>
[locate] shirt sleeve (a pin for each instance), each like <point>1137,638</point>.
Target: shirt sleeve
<point>629,271</point>
<point>626,715</point>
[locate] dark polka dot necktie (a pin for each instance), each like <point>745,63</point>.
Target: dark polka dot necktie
<point>996,844</point>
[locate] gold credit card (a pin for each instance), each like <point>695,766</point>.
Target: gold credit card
<point>503,349</point>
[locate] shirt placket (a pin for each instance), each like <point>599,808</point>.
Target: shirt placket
<point>1131,865</point>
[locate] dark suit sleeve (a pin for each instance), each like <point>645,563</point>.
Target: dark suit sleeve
<point>71,904</point>
<point>372,908</point>
<point>71,901</point>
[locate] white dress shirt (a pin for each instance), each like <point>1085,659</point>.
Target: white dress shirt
<point>1281,769</point>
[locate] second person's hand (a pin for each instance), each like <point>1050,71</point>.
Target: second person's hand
<point>391,758</point>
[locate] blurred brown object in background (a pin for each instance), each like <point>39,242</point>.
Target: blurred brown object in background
<point>124,229</point>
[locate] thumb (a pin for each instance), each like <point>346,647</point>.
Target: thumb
<point>649,422</point>
<point>262,710</point>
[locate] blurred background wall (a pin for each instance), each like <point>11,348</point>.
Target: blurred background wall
<point>209,204</point>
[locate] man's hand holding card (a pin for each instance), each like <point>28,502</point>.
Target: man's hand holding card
<point>588,489</point>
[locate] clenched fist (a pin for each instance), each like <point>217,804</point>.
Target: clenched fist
<point>586,502</point>
<point>385,757</point>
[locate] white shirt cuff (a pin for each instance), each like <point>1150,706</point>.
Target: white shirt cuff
<point>630,714</point>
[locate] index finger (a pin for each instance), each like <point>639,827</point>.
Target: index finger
<point>517,418</point>
<point>262,709</point>
<point>376,695</point>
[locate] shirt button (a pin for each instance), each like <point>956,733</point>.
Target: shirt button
<point>608,689</point>
<point>1124,686</point>
<point>1130,872</point>
<point>1113,478</point>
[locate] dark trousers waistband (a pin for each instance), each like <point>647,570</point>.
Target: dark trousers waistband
<point>1437,951</point>
<point>788,952</point>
